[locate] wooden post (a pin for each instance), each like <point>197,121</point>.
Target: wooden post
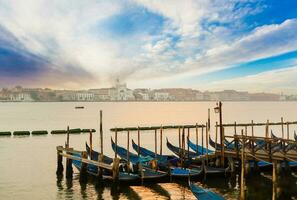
<point>60,167</point>
<point>116,143</point>
<point>207,135</point>
<point>100,170</point>
<point>221,133</point>
<point>223,149</point>
<point>156,143</point>
<point>91,144</point>
<point>202,140</point>
<point>84,168</point>
<point>253,128</point>
<point>245,131</point>
<point>161,139</point>
<point>179,144</point>
<point>288,137</point>
<point>242,181</point>
<point>267,129</point>
<point>208,120</point>
<point>138,140</point>
<point>67,143</point>
<point>234,128</point>
<point>69,170</point>
<point>128,149</point>
<point>216,136</point>
<point>101,133</point>
<point>282,122</point>
<point>197,138</point>
<point>115,169</point>
<point>188,139</point>
<point>183,147</point>
<point>274,181</point>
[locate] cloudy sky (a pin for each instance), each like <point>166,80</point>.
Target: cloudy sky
<point>248,45</point>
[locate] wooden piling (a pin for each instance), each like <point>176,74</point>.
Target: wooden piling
<point>288,137</point>
<point>91,144</point>
<point>245,130</point>
<point>208,119</point>
<point>128,149</point>
<point>179,144</point>
<point>84,167</point>
<point>161,139</point>
<point>207,135</point>
<point>252,128</point>
<point>183,147</point>
<point>267,130</point>
<point>138,141</point>
<point>100,170</point>
<point>115,169</point>
<point>242,177</point>
<point>67,143</point>
<point>116,142</point>
<point>274,181</point>
<point>234,127</point>
<point>60,167</point>
<point>202,140</point>
<point>188,139</point>
<point>101,133</point>
<point>282,124</point>
<point>156,143</point>
<point>223,148</point>
<point>69,170</point>
<point>197,137</point>
<point>216,140</point>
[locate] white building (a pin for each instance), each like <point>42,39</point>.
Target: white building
<point>84,96</point>
<point>161,96</point>
<point>20,97</point>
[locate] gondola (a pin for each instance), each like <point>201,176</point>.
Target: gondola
<point>93,170</point>
<point>178,151</point>
<point>295,136</point>
<point>199,149</point>
<point>146,152</point>
<point>171,162</point>
<point>147,172</point>
<point>204,194</point>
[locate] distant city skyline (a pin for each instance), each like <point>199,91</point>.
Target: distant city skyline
<point>213,45</point>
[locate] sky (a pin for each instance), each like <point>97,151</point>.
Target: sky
<point>246,45</point>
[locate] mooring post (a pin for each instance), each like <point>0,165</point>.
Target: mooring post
<point>223,148</point>
<point>242,179</point>
<point>179,144</point>
<point>188,139</point>
<point>197,138</point>
<point>216,140</point>
<point>245,131</point>
<point>69,170</point>
<point>288,137</point>
<point>183,146</point>
<point>207,135</point>
<point>128,150</point>
<point>156,143</point>
<point>202,140</point>
<point>116,143</point>
<point>84,167</point>
<point>208,119</point>
<point>161,139</point>
<point>235,128</point>
<point>138,141</point>
<point>101,133</point>
<point>115,169</point>
<point>274,180</point>
<point>60,167</point>
<point>253,128</point>
<point>67,143</point>
<point>282,124</point>
<point>91,144</point>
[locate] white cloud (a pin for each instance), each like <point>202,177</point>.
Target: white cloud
<point>281,80</point>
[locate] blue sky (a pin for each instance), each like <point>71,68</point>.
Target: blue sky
<point>246,45</point>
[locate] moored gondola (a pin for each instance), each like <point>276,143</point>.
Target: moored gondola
<point>146,172</point>
<point>93,171</point>
<point>178,151</point>
<point>199,149</point>
<point>170,162</point>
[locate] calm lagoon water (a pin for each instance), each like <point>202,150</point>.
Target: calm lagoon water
<point>28,164</point>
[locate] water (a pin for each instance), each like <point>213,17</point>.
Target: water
<point>28,164</point>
